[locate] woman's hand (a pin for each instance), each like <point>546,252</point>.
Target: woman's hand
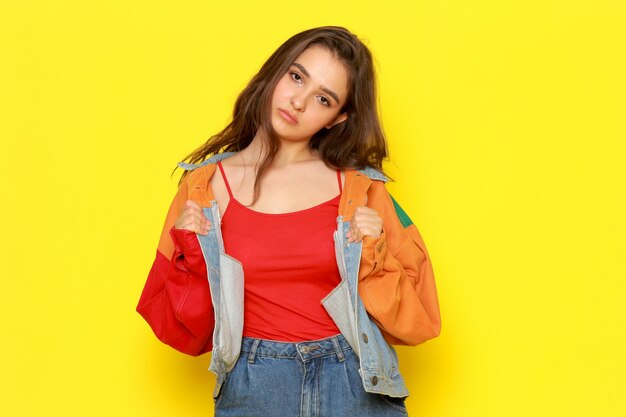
<point>365,222</point>
<point>193,219</point>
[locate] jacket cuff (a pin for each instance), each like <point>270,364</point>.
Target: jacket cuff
<point>184,240</point>
<point>373,253</point>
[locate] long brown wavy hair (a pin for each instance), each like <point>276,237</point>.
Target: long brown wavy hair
<point>355,143</point>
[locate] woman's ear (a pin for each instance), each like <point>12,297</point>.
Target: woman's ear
<point>340,118</point>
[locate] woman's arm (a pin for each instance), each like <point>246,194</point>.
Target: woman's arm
<point>176,299</point>
<point>396,280</point>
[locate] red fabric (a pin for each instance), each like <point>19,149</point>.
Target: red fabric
<point>289,266</point>
<point>396,281</point>
<point>176,300</point>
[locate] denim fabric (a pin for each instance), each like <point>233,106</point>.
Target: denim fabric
<point>317,378</point>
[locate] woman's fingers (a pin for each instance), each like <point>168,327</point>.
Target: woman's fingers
<point>193,219</point>
<point>193,224</point>
<point>192,215</point>
<point>191,203</point>
<point>365,222</point>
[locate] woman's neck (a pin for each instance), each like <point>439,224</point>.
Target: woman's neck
<point>288,153</point>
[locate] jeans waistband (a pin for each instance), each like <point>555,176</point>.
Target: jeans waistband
<point>333,345</point>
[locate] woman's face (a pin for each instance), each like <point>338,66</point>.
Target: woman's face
<point>310,95</point>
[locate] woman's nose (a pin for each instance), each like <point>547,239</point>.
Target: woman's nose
<point>298,102</point>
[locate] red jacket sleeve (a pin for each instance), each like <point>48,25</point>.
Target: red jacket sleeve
<point>176,299</point>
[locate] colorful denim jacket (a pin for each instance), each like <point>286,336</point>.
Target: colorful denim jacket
<point>386,296</point>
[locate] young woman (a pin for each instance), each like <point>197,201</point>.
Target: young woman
<point>291,196</point>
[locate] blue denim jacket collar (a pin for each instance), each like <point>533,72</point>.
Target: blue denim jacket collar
<point>368,171</point>
<point>379,363</point>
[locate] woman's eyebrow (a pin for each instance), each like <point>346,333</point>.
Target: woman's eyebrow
<point>326,90</point>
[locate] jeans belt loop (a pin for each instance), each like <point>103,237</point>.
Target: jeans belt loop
<point>338,350</point>
<point>255,344</point>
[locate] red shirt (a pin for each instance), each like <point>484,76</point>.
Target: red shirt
<point>289,265</point>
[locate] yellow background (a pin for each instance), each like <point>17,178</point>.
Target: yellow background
<point>506,126</point>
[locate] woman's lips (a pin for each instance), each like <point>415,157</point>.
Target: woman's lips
<point>288,117</point>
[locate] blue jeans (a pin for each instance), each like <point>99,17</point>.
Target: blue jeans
<point>318,378</point>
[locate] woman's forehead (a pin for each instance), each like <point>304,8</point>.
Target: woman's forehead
<point>323,68</point>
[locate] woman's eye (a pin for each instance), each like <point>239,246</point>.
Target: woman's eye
<point>324,101</point>
<point>296,76</point>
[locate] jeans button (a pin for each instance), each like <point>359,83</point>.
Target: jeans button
<point>374,380</point>
<point>365,339</point>
<point>304,349</point>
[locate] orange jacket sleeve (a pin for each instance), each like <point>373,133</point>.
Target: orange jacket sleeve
<point>176,299</point>
<point>396,279</point>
